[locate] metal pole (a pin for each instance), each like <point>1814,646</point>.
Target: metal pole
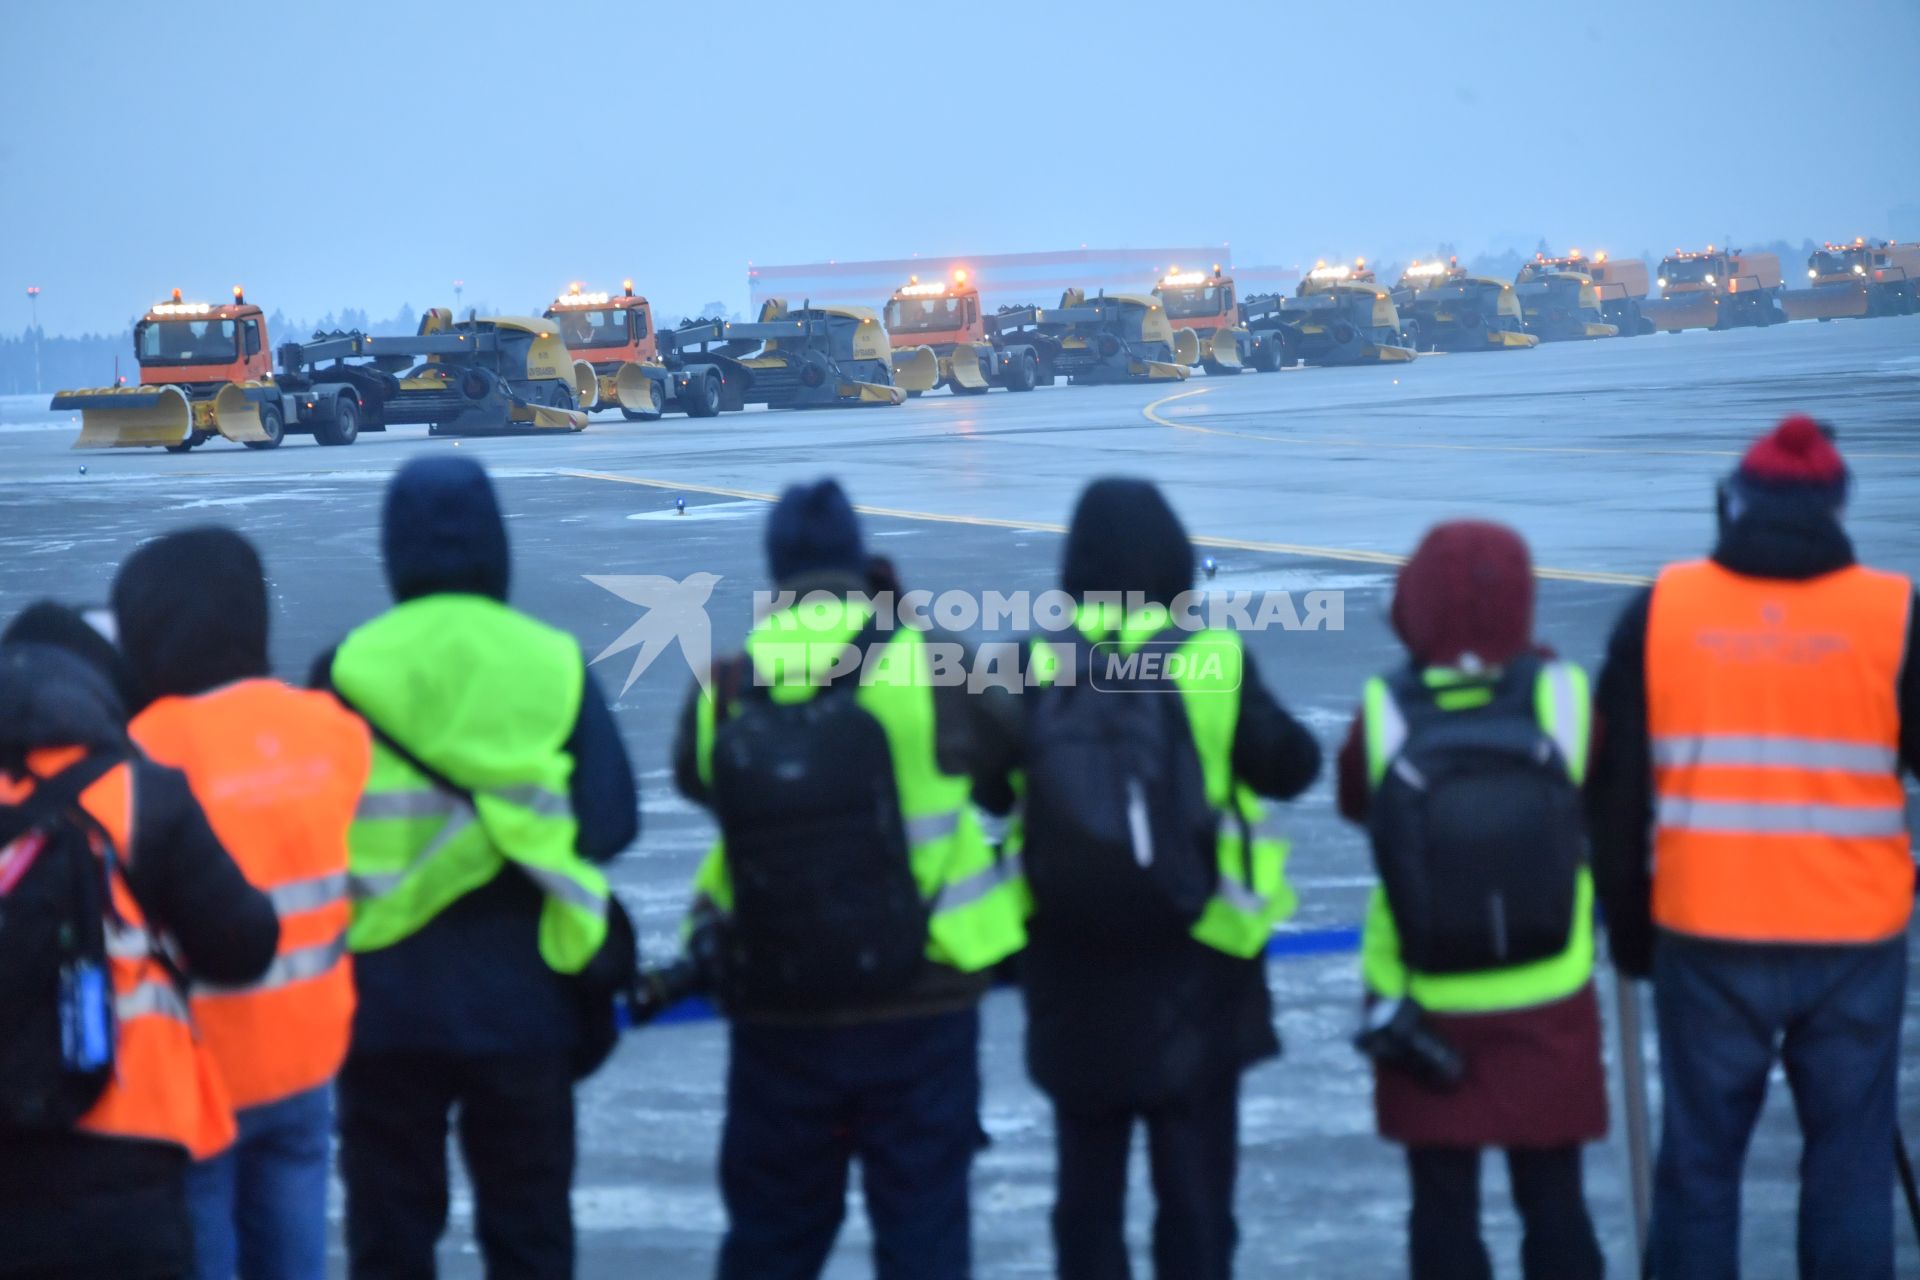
<point>33,310</point>
<point>1633,1084</point>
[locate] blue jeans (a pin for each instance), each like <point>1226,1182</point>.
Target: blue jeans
<point>259,1208</point>
<point>1832,1016</point>
<point>901,1096</point>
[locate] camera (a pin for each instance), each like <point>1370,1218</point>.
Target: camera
<point>1397,1034</point>
<point>695,972</point>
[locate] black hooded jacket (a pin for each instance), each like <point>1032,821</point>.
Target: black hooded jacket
<point>472,981</point>
<point>1776,536</point>
<point>80,1204</point>
<point>1136,1027</point>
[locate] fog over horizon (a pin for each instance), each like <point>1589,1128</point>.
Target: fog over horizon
<point>366,156</point>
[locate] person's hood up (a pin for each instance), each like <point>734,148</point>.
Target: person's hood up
<point>1466,596</point>
<point>191,611</point>
<point>442,531</point>
<point>1125,538</point>
<point>52,697</point>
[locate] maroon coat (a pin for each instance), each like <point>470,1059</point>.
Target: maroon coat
<point>1534,1076</point>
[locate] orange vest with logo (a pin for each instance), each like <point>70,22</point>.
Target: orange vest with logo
<point>1773,710</point>
<point>165,1087</point>
<point>279,772</point>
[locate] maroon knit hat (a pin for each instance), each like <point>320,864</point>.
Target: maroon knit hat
<point>1797,455</point>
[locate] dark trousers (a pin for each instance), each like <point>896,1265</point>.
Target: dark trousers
<point>1193,1153</point>
<point>515,1125</point>
<point>1832,1016</point>
<point>1443,1231</point>
<point>902,1096</point>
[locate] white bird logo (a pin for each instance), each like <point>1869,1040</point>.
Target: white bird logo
<point>676,611</point>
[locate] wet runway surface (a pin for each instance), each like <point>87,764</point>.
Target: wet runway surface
<point>1604,455</point>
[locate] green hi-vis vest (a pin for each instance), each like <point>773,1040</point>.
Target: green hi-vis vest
<point>1562,706</point>
<point>486,697</point>
<point>977,901</point>
<point>1252,895</point>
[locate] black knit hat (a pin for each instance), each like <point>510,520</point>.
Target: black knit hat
<point>441,531</point>
<point>191,609</point>
<point>813,529</point>
<point>50,623</point>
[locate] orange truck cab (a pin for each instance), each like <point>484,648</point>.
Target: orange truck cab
<point>206,370</point>
<point>615,334</point>
<point>1716,289</point>
<point>1864,278</point>
<point>940,338</point>
<point>1207,305</point>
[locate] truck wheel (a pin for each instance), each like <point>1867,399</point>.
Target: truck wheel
<point>559,396</point>
<point>1023,373</point>
<point>1214,369</point>
<point>345,427</point>
<point>193,441</point>
<point>706,397</point>
<point>271,425</point>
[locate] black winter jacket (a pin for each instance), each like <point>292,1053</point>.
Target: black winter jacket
<point>1778,536</point>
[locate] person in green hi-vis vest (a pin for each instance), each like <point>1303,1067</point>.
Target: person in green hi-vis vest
<point>1527,1034</point>
<point>1157,1033</point>
<point>500,785</point>
<point>861,909</point>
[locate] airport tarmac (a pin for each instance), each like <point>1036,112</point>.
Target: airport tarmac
<point>1604,455</point>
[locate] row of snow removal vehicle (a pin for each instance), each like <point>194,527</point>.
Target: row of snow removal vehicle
<point>209,370</point>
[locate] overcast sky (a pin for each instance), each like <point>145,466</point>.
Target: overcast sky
<point>348,154</point>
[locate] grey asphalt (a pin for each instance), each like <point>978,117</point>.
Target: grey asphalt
<point>1604,455</point>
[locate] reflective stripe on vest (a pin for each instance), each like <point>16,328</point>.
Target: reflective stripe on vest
<point>1773,721</point>
<point>976,901</point>
<point>1562,707</point>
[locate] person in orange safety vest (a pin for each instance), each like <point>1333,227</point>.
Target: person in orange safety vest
<point>279,771</point>
<point>1750,847</point>
<point>103,1196</point>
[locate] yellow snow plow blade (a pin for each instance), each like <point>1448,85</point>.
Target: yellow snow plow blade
<point>543,417</point>
<point>1508,338</point>
<point>1682,311</point>
<point>1825,302</point>
<point>1160,370</point>
<point>236,417</point>
<point>129,417</point>
<point>874,392</point>
<point>637,393</point>
<point>1223,349</point>
<point>963,366</point>
<point>586,384</point>
<point>1186,347</point>
<point>915,369</point>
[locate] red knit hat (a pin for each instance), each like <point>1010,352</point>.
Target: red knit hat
<point>1798,454</point>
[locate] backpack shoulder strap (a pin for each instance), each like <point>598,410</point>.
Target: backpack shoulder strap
<point>407,757</point>
<point>1384,720</point>
<point>60,791</point>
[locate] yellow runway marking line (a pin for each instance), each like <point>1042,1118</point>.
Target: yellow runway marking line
<point>1154,416</point>
<point>1353,555</point>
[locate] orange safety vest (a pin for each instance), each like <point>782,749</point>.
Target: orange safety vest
<point>1773,710</point>
<point>165,1086</point>
<point>279,772</point>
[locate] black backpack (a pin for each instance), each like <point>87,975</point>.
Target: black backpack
<point>1119,837</point>
<point>1477,828</point>
<point>57,1030</point>
<point>826,912</point>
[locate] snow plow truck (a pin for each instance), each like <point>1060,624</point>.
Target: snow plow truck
<point>941,338</point>
<point>1207,306</point>
<point>1446,309</point>
<point>1716,289</point>
<point>1865,278</point>
<point>1108,338</point>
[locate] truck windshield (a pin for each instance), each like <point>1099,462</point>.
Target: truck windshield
<point>597,328</point>
<point>1836,264</point>
<point>1192,301</point>
<point>927,315</point>
<point>1686,270</point>
<point>188,342</point>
